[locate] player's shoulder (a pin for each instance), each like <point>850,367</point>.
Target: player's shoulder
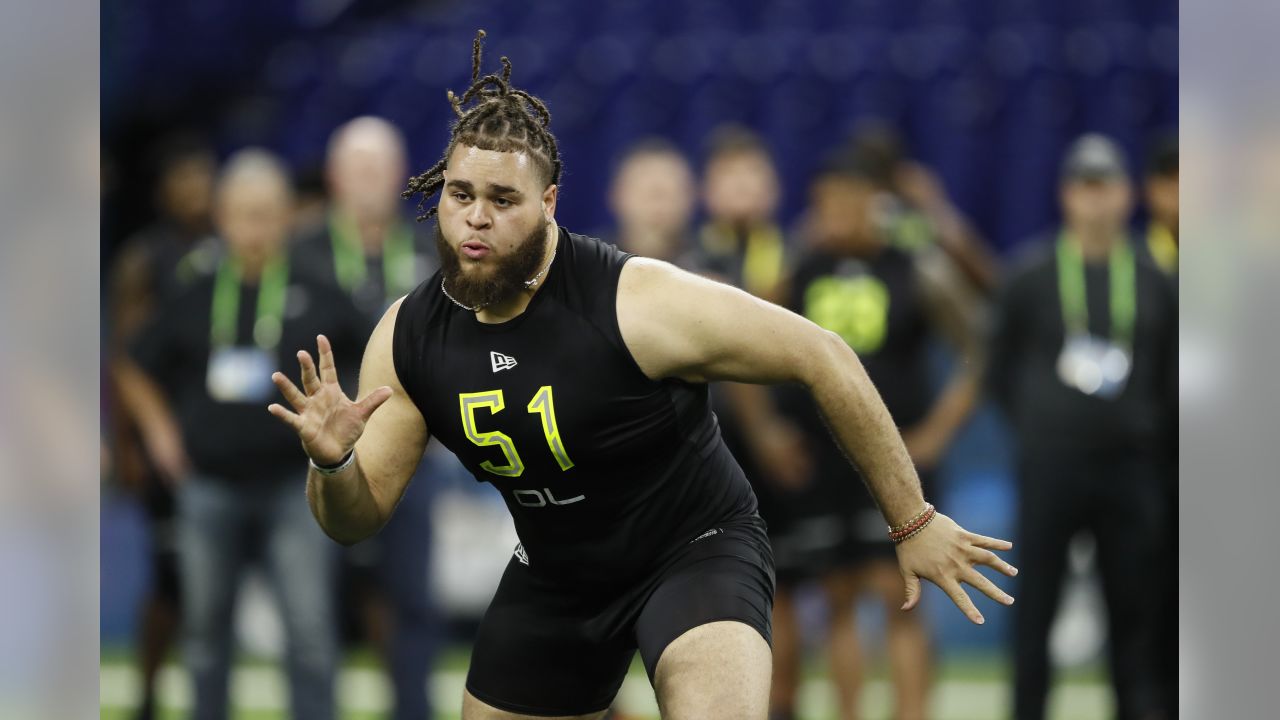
<point>585,275</point>
<point>648,276</point>
<point>408,327</point>
<point>384,330</point>
<point>417,320</point>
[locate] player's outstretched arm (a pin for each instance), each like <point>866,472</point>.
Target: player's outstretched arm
<point>382,434</point>
<point>677,324</point>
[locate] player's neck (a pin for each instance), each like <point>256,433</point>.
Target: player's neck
<point>514,306</point>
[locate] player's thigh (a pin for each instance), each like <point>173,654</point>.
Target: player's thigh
<point>704,632</point>
<point>476,709</point>
<point>717,671</point>
<point>535,655</point>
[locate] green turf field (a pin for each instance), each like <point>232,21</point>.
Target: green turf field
<point>968,688</point>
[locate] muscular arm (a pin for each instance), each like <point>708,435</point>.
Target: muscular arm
<point>355,503</point>
<point>679,325</point>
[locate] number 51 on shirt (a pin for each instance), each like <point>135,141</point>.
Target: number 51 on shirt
<point>543,404</point>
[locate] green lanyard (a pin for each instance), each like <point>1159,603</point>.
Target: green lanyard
<point>348,258</point>
<point>226,304</point>
<point>1122,276</point>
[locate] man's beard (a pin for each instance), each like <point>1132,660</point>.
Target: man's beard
<point>506,276</point>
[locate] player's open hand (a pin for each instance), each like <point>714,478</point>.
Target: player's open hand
<point>326,420</point>
<point>946,555</point>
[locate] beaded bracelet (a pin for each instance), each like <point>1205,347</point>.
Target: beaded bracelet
<point>914,525</point>
<point>912,521</point>
<point>903,538</point>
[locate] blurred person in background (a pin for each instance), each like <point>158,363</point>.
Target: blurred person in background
<point>145,269</point>
<point>888,305</point>
<point>914,208</point>
<point>653,197</point>
<point>194,382</point>
<point>741,242</point>
<point>1083,362</point>
<point>1160,190</point>
<point>367,247</point>
<point>143,275</point>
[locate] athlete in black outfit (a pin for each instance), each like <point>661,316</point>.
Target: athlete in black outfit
<point>573,377</point>
<point>888,305</point>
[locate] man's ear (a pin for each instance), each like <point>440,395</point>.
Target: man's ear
<point>549,202</point>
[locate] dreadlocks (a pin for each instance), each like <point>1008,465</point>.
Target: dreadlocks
<point>504,119</point>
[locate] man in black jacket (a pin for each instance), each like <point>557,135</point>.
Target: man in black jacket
<point>195,384</point>
<point>1083,362</point>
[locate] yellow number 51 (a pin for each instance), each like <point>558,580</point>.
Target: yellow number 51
<point>543,403</point>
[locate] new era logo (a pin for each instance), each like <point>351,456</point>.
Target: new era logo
<point>501,362</point>
<point>521,555</point>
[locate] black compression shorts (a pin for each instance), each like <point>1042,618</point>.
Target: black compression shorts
<point>545,649</point>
